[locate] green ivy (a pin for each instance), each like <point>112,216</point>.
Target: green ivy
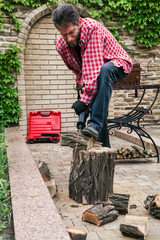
<point>140,17</point>
<point>10,107</point>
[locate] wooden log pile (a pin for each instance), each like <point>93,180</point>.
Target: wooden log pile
<point>134,152</point>
<point>152,204</point>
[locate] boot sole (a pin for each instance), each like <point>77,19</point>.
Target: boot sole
<point>90,134</point>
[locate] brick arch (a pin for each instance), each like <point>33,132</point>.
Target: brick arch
<point>25,99</point>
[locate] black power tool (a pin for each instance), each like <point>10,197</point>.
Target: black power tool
<point>82,119</point>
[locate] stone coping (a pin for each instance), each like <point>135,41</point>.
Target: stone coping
<point>34,213</point>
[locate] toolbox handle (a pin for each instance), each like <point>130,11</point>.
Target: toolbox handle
<point>45,113</point>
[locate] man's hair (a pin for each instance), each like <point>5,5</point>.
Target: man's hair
<point>64,15</point>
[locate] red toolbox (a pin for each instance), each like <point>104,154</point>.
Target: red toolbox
<point>44,126</point>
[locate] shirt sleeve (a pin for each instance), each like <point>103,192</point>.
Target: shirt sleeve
<point>91,65</point>
<point>70,67</point>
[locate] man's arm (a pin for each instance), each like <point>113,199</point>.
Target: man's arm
<point>68,57</point>
<point>91,65</point>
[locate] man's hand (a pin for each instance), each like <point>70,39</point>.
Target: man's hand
<point>79,107</point>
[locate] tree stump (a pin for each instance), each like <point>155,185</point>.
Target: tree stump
<point>92,172</point>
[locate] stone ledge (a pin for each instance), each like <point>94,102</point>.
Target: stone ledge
<point>34,212</point>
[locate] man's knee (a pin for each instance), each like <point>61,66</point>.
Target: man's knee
<point>106,69</point>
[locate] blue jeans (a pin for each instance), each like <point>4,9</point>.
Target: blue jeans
<point>109,75</point>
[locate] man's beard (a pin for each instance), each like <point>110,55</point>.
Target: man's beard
<point>75,43</point>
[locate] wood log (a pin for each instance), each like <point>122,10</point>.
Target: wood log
<point>143,153</point>
<point>134,154</point>
<point>135,226</point>
<point>71,139</point>
<point>100,214</point>
<point>139,150</point>
<point>77,234</point>
<point>51,187</point>
<point>120,202</point>
<point>152,204</point>
<point>91,176</point>
<point>44,171</point>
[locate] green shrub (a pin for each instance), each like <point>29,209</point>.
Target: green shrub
<point>5,197</point>
<point>10,107</point>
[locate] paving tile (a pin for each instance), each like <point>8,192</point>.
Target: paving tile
<point>139,178</point>
<point>68,223</point>
<point>106,234</point>
<point>92,236</point>
<point>153,237</point>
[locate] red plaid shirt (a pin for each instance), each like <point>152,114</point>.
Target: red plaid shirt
<point>98,46</point>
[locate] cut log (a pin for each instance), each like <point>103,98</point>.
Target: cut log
<point>91,177</point>
<point>100,214</point>
<point>120,202</point>
<point>77,234</point>
<point>140,151</point>
<point>51,187</point>
<point>152,204</point>
<point>44,171</point>
<point>135,226</point>
<point>73,138</point>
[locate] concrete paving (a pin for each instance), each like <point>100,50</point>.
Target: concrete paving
<point>139,178</point>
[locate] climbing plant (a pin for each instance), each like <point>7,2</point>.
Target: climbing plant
<point>140,17</point>
<point>9,106</point>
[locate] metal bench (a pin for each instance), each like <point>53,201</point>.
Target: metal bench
<point>132,119</point>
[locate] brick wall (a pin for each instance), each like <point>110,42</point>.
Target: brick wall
<point>150,74</point>
<point>46,84</point>
<point>49,84</point>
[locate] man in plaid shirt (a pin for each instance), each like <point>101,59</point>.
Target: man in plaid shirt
<point>93,54</point>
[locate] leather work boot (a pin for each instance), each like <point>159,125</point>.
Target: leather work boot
<point>90,131</point>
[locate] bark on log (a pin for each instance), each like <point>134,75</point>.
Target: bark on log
<point>77,234</point>
<point>44,171</point>
<point>152,204</point>
<point>120,201</point>
<point>91,177</point>
<point>100,214</point>
<point>72,139</point>
<point>135,226</point>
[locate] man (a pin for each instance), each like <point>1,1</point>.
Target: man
<point>97,59</point>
